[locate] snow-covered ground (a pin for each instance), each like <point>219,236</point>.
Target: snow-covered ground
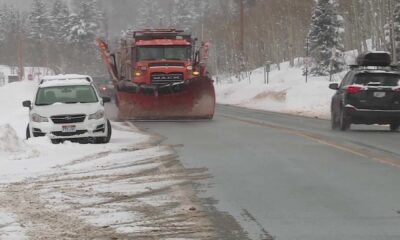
<point>130,188</point>
<point>287,92</point>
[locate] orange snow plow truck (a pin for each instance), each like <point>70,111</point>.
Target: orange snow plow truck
<point>160,75</point>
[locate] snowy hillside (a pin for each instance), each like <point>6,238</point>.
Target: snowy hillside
<point>287,92</point>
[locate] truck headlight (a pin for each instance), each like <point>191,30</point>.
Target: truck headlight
<point>98,115</point>
<point>39,119</point>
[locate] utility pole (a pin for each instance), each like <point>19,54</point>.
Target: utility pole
<point>21,69</point>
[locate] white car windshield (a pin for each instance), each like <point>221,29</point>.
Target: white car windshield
<point>66,94</point>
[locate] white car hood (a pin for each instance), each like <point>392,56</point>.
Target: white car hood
<point>67,109</point>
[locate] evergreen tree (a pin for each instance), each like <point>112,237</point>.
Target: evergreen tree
<point>84,27</point>
<point>59,20</point>
<point>40,29</point>
<point>150,15</point>
<point>10,33</point>
<point>325,38</point>
<point>184,15</point>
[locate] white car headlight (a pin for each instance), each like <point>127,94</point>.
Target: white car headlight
<point>39,119</point>
<point>98,115</point>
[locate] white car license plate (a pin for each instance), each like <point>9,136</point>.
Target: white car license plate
<point>69,129</point>
<point>379,94</point>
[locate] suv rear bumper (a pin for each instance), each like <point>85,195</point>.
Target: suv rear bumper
<point>371,116</point>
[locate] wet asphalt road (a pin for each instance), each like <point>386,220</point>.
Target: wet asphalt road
<point>292,177</point>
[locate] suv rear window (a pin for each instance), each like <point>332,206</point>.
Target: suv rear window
<point>66,94</point>
<point>381,79</point>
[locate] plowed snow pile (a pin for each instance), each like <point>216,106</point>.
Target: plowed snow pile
<point>12,147</point>
<point>287,92</point>
<point>131,188</point>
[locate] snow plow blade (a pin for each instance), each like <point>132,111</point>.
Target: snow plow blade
<point>187,100</point>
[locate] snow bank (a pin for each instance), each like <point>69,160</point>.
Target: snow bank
<point>287,92</point>
<point>12,147</point>
<point>38,155</point>
<point>9,141</point>
<point>12,112</point>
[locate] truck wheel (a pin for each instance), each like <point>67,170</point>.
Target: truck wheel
<point>28,132</point>
<point>344,121</point>
<point>394,127</point>
<point>104,140</point>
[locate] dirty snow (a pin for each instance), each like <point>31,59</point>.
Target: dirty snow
<point>10,229</point>
<point>132,188</point>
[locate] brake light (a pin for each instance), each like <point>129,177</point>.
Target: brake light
<point>396,89</point>
<point>352,89</point>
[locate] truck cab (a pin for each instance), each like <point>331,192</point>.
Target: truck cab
<point>161,57</point>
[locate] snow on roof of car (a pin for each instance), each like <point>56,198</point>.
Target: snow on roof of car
<point>56,83</point>
<point>66,77</point>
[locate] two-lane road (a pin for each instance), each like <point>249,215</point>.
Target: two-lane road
<point>292,177</point>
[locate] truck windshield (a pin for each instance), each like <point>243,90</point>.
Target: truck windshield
<point>382,79</point>
<point>66,94</point>
<point>180,53</point>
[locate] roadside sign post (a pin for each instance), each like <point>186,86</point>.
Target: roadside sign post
<point>250,77</point>
<point>266,72</point>
<point>307,65</point>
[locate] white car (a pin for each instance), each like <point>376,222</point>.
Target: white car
<point>67,107</point>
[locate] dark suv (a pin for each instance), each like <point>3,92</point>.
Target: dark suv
<point>368,94</point>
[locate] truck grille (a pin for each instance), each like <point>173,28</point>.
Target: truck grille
<point>167,64</point>
<point>161,79</point>
<point>64,119</point>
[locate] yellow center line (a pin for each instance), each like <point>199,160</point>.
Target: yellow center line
<point>319,139</point>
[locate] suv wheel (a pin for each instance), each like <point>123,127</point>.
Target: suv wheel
<point>394,127</point>
<point>28,132</point>
<point>344,121</point>
<point>334,121</point>
<point>103,140</point>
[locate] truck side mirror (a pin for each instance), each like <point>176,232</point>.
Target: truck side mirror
<point>27,104</point>
<point>106,99</point>
<point>196,58</point>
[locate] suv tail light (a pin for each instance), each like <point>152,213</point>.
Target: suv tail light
<point>396,89</point>
<point>352,89</point>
